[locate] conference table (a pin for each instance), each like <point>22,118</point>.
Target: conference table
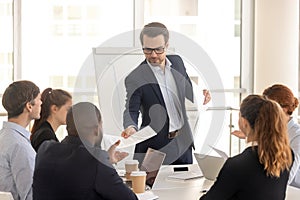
<point>192,189</point>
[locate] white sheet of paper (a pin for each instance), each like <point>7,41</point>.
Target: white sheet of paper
<point>220,152</point>
<point>138,137</point>
<point>147,195</point>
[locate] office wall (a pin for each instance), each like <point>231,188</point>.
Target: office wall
<point>276,44</point>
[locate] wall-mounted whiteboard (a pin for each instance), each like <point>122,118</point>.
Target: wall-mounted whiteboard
<point>112,65</point>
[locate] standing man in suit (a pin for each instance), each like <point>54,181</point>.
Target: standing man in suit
<point>157,88</point>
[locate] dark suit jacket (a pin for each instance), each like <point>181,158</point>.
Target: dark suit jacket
<point>68,171</point>
<point>243,177</point>
<point>144,95</point>
<point>44,133</point>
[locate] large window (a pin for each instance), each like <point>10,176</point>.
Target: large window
<point>6,41</point>
<point>6,48</point>
<point>213,25</point>
<point>58,36</point>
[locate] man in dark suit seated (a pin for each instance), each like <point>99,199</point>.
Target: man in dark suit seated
<point>77,168</point>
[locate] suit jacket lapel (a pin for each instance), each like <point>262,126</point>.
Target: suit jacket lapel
<point>150,78</point>
<point>180,82</point>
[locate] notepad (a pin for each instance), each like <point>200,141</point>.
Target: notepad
<point>186,175</point>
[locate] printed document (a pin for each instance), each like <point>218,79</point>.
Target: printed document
<point>138,137</point>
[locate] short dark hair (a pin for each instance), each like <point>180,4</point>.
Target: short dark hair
<point>81,118</point>
<point>154,29</point>
<point>17,95</point>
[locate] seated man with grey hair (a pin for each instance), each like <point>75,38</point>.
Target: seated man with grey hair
<point>77,168</point>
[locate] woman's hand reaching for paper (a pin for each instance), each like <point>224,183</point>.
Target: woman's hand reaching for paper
<point>239,134</point>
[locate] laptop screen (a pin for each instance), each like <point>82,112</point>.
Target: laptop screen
<point>151,164</point>
<point>209,165</point>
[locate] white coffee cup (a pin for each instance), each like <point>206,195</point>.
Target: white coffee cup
<point>138,181</point>
<point>131,165</point>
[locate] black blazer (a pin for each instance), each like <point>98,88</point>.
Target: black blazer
<point>243,177</point>
<point>144,95</point>
<point>68,171</point>
<point>45,132</point>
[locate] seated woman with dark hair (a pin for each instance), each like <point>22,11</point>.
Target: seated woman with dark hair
<point>56,103</point>
<point>261,171</point>
<point>288,102</point>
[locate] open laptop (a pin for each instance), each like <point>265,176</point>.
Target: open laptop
<point>151,164</point>
<point>209,165</point>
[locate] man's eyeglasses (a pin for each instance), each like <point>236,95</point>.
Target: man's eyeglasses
<point>158,50</point>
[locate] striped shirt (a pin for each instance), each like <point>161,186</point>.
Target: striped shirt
<point>17,159</point>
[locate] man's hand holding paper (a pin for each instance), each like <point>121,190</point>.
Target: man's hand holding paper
<point>128,132</point>
<point>134,137</point>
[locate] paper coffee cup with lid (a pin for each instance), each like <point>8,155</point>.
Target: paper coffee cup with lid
<point>138,181</point>
<point>131,165</point>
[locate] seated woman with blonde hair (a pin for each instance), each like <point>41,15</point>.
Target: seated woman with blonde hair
<point>261,171</point>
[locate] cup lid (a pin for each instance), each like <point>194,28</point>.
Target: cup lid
<point>131,162</point>
<point>138,173</point>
